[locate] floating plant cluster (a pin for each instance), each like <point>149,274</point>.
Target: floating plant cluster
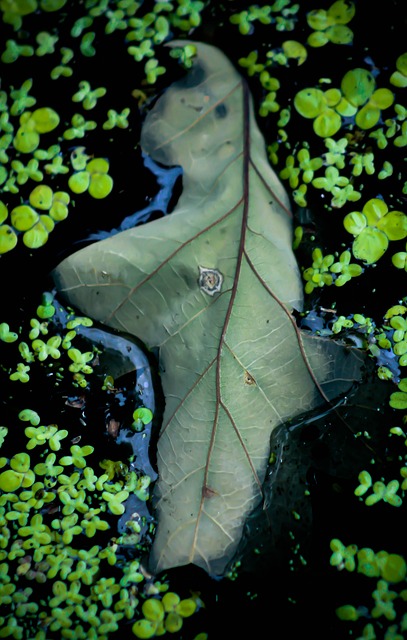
<point>65,570</point>
<point>59,507</point>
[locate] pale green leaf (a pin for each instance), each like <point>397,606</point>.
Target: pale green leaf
<point>212,286</point>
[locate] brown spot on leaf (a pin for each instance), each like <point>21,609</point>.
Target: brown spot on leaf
<point>207,492</point>
<point>248,379</point>
<point>210,280</point>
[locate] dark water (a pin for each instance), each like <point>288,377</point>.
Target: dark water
<point>276,594</point>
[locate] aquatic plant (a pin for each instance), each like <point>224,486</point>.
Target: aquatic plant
<point>373,228</point>
<point>51,502</point>
<point>359,129</point>
<point>390,569</point>
<point>326,271</point>
<point>330,25</point>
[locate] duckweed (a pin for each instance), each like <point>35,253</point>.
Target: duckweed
<point>51,502</point>
<point>353,125</point>
<point>94,179</point>
<point>373,228</point>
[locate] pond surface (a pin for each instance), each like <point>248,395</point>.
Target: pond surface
<point>286,584</point>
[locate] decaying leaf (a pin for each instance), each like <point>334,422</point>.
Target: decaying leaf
<point>213,286</point>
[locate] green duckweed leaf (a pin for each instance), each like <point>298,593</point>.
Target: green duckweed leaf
<point>28,415</point>
<point>45,119</point>
<point>368,116</point>
<point>186,607</point>
<point>333,97</point>
<point>347,612</point>
<point>339,34</point>
<point>317,39</point>
<point>382,98</point>
<point>401,64</point>
<point>399,79</point>
<point>59,206</point>
<point>20,462</point>
<point>173,622</point>
<point>354,222</point>
<point>345,108</point>
<point>212,286</point>
<point>399,260</point>
<point>296,50</point>
<point>144,628</point>
<point>37,236</point>
<point>341,12</point>
<point>398,400</point>
<point>5,334</point>
<point>26,140</point>
<point>41,197</point>
<point>52,5</point>
<point>153,610</point>
<point>318,19</point>
<point>310,102</point>
<point>327,123</point>
<point>143,415</point>
<point>370,245</point>
<point>357,86</point>
<point>374,210</point>
<point>10,480</point>
<point>3,212</point>
<point>8,238</point>
<point>394,225</point>
<point>23,217</point>
<point>100,185</point>
<point>79,182</point>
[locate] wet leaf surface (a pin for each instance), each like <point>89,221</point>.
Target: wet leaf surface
<point>213,286</point>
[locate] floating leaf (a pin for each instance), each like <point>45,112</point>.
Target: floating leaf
<point>318,19</point>
<point>317,39</point>
<point>399,77</point>
<point>398,400</point>
<point>394,225</point>
<point>3,212</point>
<point>310,102</point>
<point>370,245</point>
<point>345,108</point>
<point>354,222</point>
<point>368,116</point>
<point>327,123</point>
<point>339,34</point>
<point>45,119</point>
<point>79,182</point>
<point>100,185</point>
<point>8,238</point>
<point>37,236</point>
<point>341,12</point>
<point>26,140</point>
<point>212,286</point>
<point>59,208</point>
<point>333,97</point>
<point>374,210</point>
<point>41,197</point>
<point>357,86</point>
<point>10,480</point>
<point>23,217</point>
<point>143,415</point>
<point>296,50</point>
<point>382,98</point>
